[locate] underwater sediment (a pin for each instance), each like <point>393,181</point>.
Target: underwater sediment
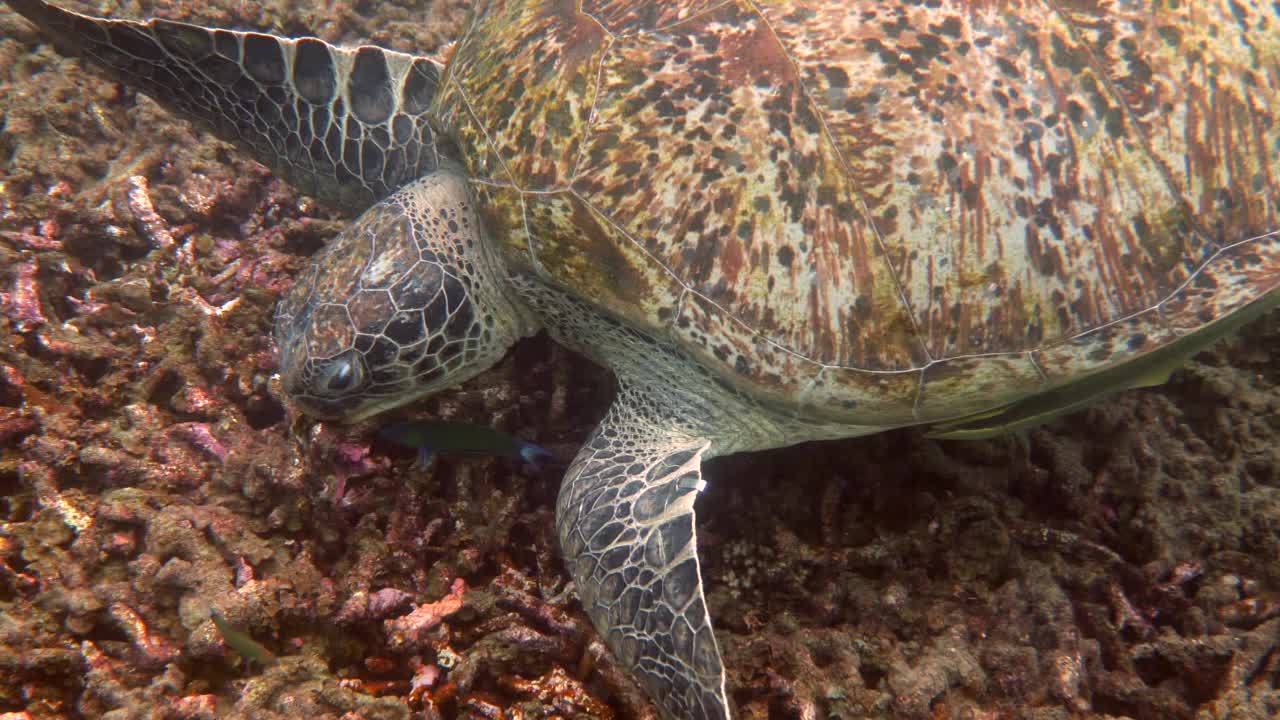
<point>1121,562</point>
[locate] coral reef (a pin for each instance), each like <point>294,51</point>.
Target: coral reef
<point>1119,563</point>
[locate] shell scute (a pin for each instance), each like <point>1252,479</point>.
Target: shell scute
<point>581,248</point>
<point>704,148</point>
<point>555,52</point>
<point>1227,282</point>
<point>502,211</point>
<point>1200,83</point>
<point>971,384</point>
<point>986,163</point>
<point>627,17</point>
<point>1103,346</point>
<point>887,398</point>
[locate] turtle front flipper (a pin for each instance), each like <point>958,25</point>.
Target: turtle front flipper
<point>626,525</point>
<point>347,126</point>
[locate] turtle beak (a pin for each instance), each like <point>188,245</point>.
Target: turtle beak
<point>290,369</point>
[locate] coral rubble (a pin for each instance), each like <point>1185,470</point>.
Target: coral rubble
<point>1121,562</point>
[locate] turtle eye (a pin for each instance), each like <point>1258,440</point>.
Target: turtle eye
<point>342,374</point>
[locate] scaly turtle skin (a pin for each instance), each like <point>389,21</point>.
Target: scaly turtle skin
<point>774,222</point>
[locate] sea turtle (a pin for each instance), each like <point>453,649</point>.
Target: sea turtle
<point>775,222</point>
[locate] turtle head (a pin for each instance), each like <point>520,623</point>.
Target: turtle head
<point>408,300</point>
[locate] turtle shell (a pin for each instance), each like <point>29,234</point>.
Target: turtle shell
<point>883,211</point>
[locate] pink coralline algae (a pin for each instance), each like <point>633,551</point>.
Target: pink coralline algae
<point>153,649</point>
<point>149,222</point>
<point>23,300</point>
<point>363,606</point>
<point>410,630</point>
<point>201,436</point>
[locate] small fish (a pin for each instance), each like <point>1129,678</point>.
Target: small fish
<point>240,641</point>
<point>448,436</point>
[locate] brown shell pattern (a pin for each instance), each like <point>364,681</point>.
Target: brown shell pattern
<point>898,211</point>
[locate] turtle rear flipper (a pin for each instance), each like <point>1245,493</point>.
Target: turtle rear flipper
<point>348,126</point>
<point>626,526</point>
